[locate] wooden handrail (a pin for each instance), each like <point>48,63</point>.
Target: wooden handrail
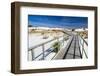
<point>42,43</point>
<point>84,40</point>
<point>83,46</point>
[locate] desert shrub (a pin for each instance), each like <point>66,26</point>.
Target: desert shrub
<point>66,38</point>
<point>56,46</point>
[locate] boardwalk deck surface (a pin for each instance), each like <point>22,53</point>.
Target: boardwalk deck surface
<point>74,49</point>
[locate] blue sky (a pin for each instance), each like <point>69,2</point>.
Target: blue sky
<point>57,21</point>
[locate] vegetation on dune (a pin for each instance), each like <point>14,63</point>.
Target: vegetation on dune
<point>56,46</point>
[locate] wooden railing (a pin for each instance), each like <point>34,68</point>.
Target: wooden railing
<point>44,52</point>
<point>83,47</point>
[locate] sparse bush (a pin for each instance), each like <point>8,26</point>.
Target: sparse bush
<point>56,46</point>
<point>66,38</point>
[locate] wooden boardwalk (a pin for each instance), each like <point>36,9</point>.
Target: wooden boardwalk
<point>73,49</point>
<point>73,52</point>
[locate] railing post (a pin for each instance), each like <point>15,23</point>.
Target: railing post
<point>82,47</point>
<point>81,44</point>
<point>83,50</point>
<point>43,51</point>
<point>63,39</point>
<point>32,53</point>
